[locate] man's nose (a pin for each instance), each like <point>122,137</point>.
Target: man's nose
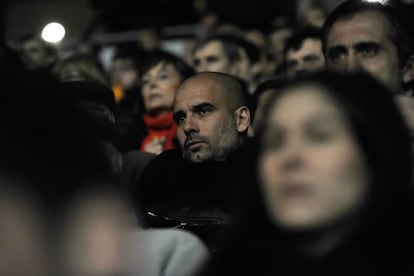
<point>353,63</point>
<point>190,125</point>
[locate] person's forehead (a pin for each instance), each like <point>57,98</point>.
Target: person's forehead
<point>309,46</point>
<point>213,47</point>
<point>302,102</point>
<point>123,62</point>
<point>160,67</point>
<point>279,35</point>
<point>32,44</point>
<point>197,90</point>
<point>366,25</point>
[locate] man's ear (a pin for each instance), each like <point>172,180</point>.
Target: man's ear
<point>242,118</point>
<point>408,70</point>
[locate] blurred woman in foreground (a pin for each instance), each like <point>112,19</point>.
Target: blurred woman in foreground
<point>334,194</point>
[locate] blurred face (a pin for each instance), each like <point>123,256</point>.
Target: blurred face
<point>206,127</point>
<point>159,85</point>
<point>211,58</point>
<point>256,37</point>
<point>277,43</point>
<point>408,71</point>
<point>311,170</point>
<point>243,68</point>
<point>34,54</point>
<point>315,17</point>
<point>93,237</point>
<point>307,58</point>
<point>362,42</point>
<point>124,74</point>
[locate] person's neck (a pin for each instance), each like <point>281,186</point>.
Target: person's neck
<point>317,244</point>
<point>157,113</point>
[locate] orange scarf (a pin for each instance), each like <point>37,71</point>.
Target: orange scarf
<point>158,127</point>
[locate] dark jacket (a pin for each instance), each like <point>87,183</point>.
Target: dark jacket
<point>202,198</point>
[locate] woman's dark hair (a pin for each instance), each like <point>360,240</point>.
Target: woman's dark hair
<point>157,56</point>
<point>269,84</point>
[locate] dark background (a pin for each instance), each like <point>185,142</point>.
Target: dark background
<point>19,17</point>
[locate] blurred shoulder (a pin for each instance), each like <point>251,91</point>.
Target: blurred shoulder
<point>165,252</point>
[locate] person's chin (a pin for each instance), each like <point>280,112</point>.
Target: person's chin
<point>198,156</point>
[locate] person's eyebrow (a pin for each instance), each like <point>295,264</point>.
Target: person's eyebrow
<point>203,106</point>
<point>367,45</point>
<point>325,119</point>
<point>212,58</point>
<point>311,57</point>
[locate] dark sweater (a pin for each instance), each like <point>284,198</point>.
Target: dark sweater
<point>203,198</point>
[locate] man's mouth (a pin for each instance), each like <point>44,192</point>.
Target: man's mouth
<point>193,144</point>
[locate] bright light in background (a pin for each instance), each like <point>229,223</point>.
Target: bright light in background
<point>383,2</point>
<point>53,32</point>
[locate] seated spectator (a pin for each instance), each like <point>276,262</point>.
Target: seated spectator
<point>334,192</point>
<point>161,75</point>
<point>125,72</point>
<point>281,29</point>
<point>97,102</point>
<point>228,54</point>
<point>195,187</point>
<point>38,56</point>
<point>77,67</point>
<point>63,213</point>
<point>313,14</point>
<point>303,52</point>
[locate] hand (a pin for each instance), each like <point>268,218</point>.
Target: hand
<point>156,146</point>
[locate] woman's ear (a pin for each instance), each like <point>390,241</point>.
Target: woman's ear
<point>242,118</point>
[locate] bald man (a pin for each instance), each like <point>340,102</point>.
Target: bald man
<point>198,186</point>
<point>212,116</point>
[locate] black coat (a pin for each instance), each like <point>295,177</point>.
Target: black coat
<point>203,198</point>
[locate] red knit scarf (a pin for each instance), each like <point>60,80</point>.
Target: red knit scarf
<point>163,126</point>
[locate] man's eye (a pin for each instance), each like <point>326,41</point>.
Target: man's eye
<point>144,82</point>
<point>369,51</point>
<point>212,59</point>
<point>178,118</point>
<point>204,111</point>
<point>336,55</point>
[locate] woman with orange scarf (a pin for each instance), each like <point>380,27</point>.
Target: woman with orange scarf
<point>161,76</point>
